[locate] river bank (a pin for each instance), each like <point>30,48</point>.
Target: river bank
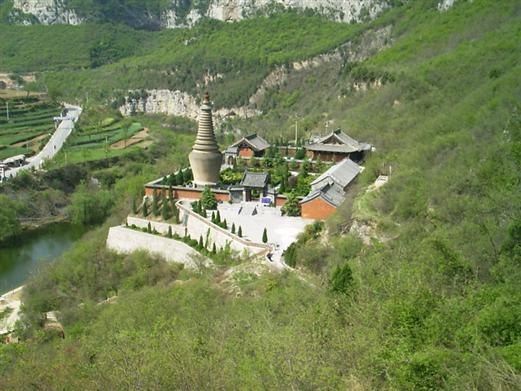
<point>25,254</point>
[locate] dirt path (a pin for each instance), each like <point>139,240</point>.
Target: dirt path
<point>135,139</point>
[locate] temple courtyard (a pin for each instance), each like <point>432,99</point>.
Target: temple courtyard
<point>253,217</point>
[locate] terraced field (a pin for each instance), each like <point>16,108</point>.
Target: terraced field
<point>101,139</point>
<point>29,125</point>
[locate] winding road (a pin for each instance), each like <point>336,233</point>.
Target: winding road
<point>55,143</point>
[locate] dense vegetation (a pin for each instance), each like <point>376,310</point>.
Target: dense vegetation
<point>432,302</point>
<point>241,54</point>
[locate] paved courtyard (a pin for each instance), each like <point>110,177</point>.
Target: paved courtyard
<point>282,230</point>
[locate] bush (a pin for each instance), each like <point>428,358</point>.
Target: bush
<point>208,199</point>
<point>342,280</point>
<point>292,206</point>
<point>90,205</point>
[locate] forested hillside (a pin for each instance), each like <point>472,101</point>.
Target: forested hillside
<point>430,301</point>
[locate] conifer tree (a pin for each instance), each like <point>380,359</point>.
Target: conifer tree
<point>145,208</point>
<point>239,232</point>
<point>213,217</point>
<point>165,211</point>
<point>214,249</point>
<point>155,207</point>
<point>170,231</point>
<point>149,228</point>
<point>265,236</point>
<point>225,224</point>
<point>233,228</point>
<point>175,213</point>
<point>201,243</point>
<point>218,218</point>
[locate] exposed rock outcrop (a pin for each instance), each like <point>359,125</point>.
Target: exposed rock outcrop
<point>47,11</point>
<point>445,5</point>
<point>178,15</point>
<point>180,104</point>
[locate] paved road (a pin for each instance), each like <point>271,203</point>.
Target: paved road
<point>55,143</point>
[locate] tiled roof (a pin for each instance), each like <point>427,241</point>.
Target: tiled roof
<point>330,193</point>
<point>256,142</point>
<point>254,179</point>
<point>338,141</point>
<point>342,174</point>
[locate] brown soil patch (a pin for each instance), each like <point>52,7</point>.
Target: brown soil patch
<point>135,139</point>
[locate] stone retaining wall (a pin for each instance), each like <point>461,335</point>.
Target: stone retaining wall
<point>196,226</point>
<point>125,240</point>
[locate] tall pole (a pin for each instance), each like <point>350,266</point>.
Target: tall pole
<point>296,132</point>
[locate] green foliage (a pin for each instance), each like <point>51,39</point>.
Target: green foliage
<point>265,236</point>
<point>9,224</point>
<point>165,210</point>
<point>144,208</point>
<point>90,205</point>
<point>342,280</point>
<point>208,199</point>
<point>292,206</point>
<point>155,204</point>
<point>239,232</point>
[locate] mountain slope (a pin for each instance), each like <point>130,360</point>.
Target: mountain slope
<point>432,303</point>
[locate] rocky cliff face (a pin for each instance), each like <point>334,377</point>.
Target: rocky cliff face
<point>180,104</point>
<point>44,12</point>
<point>179,14</point>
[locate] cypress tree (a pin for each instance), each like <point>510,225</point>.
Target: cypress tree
<point>214,249</point>
<point>165,210</point>
<point>149,228</point>
<point>170,231</point>
<point>217,218</point>
<point>233,228</point>
<point>213,217</point>
<point>265,236</point>
<point>145,208</point>
<point>225,224</point>
<point>201,243</point>
<point>155,207</point>
<point>175,213</point>
<point>239,233</point>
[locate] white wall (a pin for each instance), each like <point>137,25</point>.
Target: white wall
<point>125,240</point>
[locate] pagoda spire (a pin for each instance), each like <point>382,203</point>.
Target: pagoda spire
<point>205,140</point>
<point>205,158</point>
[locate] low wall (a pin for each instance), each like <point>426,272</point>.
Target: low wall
<point>125,240</point>
<point>181,192</point>
<point>197,225</point>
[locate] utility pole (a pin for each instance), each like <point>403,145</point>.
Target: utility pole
<point>296,131</point>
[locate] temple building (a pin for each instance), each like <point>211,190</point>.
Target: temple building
<point>337,146</point>
<point>247,147</point>
<point>205,158</point>
<point>328,191</point>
